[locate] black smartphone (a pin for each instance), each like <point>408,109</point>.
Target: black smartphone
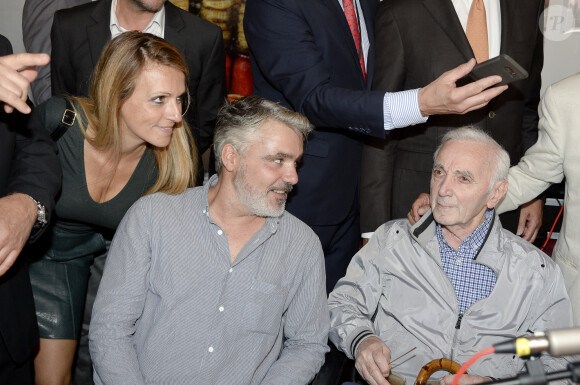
<point>502,65</point>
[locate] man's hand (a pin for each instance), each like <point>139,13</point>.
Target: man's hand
<point>17,216</point>
<point>530,219</point>
<point>16,73</point>
<point>466,379</point>
<point>442,96</point>
<point>419,208</point>
<point>373,361</point>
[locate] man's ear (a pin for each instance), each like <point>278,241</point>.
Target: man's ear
<point>230,157</point>
<point>497,193</point>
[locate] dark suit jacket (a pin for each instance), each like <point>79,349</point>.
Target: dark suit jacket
<point>29,165</point>
<point>79,35</point>
<point>408,57</point>
<point>303,56</point>
<point>36,22</point>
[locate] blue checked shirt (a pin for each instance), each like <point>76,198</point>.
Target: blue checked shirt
<point>472,281</point>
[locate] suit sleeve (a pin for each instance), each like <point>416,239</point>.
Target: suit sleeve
<point>543,163</point>
<point>287,54</point>
<point>35,167</point>
<point>211,91</point>
<point>379,154</point>
<point>61,77</point>
<point>36,20</point>
<point>532,99</point>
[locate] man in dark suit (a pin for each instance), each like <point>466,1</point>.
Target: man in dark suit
<point>29,179</point>
<point>304,56</point>
<point>409,57</point>
<point>79,35</point>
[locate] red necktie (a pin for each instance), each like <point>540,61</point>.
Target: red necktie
<point>350,14</point>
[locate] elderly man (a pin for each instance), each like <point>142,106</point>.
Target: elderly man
<point>218,285</point>
<point>452,284</point>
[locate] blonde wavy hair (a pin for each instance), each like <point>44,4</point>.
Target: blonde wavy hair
<point>122,61</point>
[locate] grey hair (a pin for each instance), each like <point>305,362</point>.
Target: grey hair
<point>238,121</point>
<point>473,134</point>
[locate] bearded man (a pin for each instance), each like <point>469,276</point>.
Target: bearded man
<point>218,285</point>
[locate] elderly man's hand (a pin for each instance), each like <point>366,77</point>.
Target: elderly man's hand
<point>530,219</point>
<point>466,379</point>
<point>16,73</point>
<point>17,216</point>
<point>419,208</point>
<point>373,361</point>
<point>442,96</point>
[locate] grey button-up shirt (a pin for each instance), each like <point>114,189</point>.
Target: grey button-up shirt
<point>173,309</point>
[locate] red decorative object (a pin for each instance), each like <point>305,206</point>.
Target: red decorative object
<point>228,70</point>
<point>242,76</point>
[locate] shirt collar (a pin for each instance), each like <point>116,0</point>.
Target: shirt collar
<point>476,239</point>
<point>156,26</point>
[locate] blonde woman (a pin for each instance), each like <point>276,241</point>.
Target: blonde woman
<point>128,139</point>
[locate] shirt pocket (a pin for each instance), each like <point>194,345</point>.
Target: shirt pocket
<point>264,308</point>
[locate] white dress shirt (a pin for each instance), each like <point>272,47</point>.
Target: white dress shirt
<point>155,27</point>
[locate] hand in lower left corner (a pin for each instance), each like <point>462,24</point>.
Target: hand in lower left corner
<point>466,379</point>
<point>17,216</point>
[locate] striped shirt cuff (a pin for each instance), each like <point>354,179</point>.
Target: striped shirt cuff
<point>358,339</point>
<point>401,109</point>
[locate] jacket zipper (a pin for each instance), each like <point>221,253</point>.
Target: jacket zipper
<point>460,317</point>
<point>457,327</point>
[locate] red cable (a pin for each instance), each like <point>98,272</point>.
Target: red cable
<point>469,362</point>
<point>552,229</point>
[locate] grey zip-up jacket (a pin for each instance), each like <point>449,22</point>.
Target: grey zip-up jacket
<point>395,288</point>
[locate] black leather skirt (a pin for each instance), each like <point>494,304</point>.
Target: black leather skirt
<point>59,283</point>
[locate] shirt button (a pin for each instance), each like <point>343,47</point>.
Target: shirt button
<point>231,270</point>
<point>458,261</point>
<point>474,247</point>
<point>210,349</point>
<point>221,308</point>
<point>220,232</point>
<point>491,114</point>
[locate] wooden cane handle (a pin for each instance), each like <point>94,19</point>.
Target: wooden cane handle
<point>434,366</point>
